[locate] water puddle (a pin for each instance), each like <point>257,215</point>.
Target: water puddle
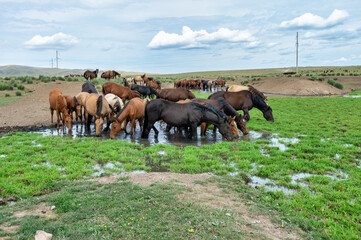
<point>269,185</point>
<point>352,96</point>
<point>2,156</point>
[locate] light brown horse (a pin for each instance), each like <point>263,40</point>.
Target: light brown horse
<point>123,92</point>
<point>138,80</point>
<point>96,106</point>
<point>133,110</point>
<point>237,88</point>
<point>58,103</point>
<point>74,106</point>
<point>154,85</point>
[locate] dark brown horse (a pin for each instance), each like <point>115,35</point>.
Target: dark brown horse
<point>58,103</point>
<point>74,106</point>
<point>222,105</point>
<point>175,94</point>
<point>123,92</point>
<point>245,101</point>
<point>110,74</point>
<point>91,74</point>
<point>184,115</point>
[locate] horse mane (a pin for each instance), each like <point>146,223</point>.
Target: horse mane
<point>208,107</point>
<point>116,73</point>
<point>256,92</point>
<point>227,108</point>
<point>99,106</point>
<point>258,102</point>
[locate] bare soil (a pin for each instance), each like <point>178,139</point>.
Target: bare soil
<point>252,222</point>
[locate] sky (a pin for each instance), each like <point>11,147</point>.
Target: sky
<point>165,36</point>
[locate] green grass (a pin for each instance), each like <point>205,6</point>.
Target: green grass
<point>329,144</point>
<point>357,92</point>
<point>335,84</point>
<point>7,98</point>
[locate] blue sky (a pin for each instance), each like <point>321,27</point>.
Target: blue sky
<point>164,36</point>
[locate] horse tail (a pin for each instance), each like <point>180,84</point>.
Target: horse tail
<point>145,122</point>
<point>99,106</point>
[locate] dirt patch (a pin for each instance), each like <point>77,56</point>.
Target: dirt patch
<point>302,86</point>
<point>33,109</point>
<point>41,210</point>
<point>9,229</point>
<point>146,179</point>
<point>257,225</point>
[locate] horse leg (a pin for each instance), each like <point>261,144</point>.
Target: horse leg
<point>168,128</point>
<point>140,120</point>
<point>246,114</point>
<point>51,113</point>
<point>194,131</point>
<point>132,126</point>
<point>57,119</point>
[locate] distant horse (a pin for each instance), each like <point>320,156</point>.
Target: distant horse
<point>123,92</point>
<point>206,85</point>
<point>74,106</point>
<point>155,85</point>
<point>177,83</point>
<point>144,90</point>
<point>184,115</point>
<point>96,106</point>
<point>237,88</point>
<point>89,88</point>
<point>133,110</point>
<point>222,105</point>
<point>115,102</point>
<point>58,103</point>
<point>219,83</point>
<point>175,94</point>
<point>245,100</point>
<point>126,83</point>
<point>90,74</point>
<point>138,80</point>
<point>110,74</point>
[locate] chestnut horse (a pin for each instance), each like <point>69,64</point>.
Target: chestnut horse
<point>74,106</point>
<point>175,94</point>
<point>245,100</point>
<point>123,92</point>
<point>133,110</point>
<point>184,115</point>
<point>110,74</point>
<point>90,74</point>
<point>154,85</point>
<point>58,103</point>
<point>237,88</point>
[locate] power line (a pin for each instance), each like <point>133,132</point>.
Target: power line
<point>297,53</point>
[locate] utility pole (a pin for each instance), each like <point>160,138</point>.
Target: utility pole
<point>52,63</point>
<point>297,53</point>
<point>57,59</point>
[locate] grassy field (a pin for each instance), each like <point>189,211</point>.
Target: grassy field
<point>319,167</point>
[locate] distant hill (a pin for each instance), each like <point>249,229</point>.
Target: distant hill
<point>18,70</point>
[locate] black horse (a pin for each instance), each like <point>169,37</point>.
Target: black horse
<point>89,87</point>
<point>184,115</point>
<point>222,105</point>
<point>245,100</point>
<point>206,85</point>
<point>144,90</point>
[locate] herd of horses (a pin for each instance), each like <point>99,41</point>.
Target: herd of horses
<point>177,107</point>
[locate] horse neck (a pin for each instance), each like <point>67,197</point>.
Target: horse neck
<point>259,103</point>
<point>123,114</point>
<point>210,117</point>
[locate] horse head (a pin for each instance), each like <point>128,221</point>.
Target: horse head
<point>233,126</point>
<point>98,126</point>
<point>225,129</point>
<point>115,128</point>
<point>68,119</point>
<point>241,124</point>
<point>267,114</point>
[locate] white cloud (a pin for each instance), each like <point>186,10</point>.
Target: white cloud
<point>342,59</point>
<point>309,20</point>
<point>56,41</point>
<point>201,38</point>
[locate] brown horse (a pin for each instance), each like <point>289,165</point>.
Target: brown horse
<point>58,103</point>
<point>90,74</point>
<point>74,106</point>
<point>175,94</point>
<point>123,92</point>
<point>133,110</point>
<point>138,80</point>
<point>110,74</point>
<point>237,88</point>
<point>219,83</point>
<point>245,100</point>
